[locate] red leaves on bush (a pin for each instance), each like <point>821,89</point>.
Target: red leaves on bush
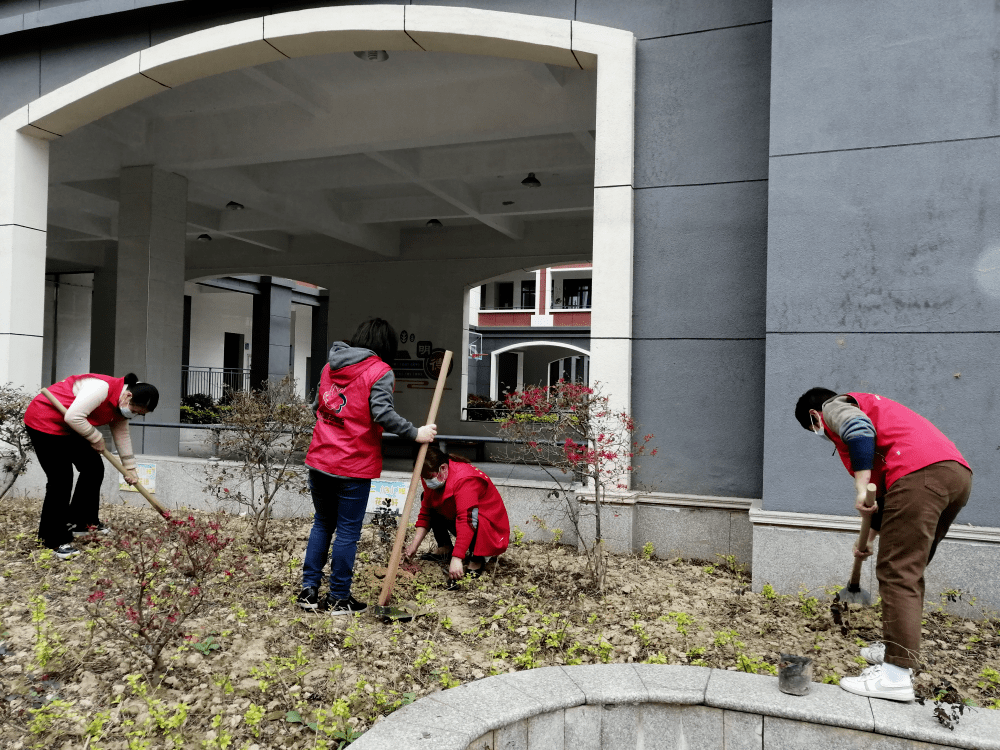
<point>145,590</point>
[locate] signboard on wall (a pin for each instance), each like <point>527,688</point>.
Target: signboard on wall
<point>147,478</point>
<point>387,493</point>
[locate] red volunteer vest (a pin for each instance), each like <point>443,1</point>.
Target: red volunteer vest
<point>346,441</point>
<point>41,415</point>
<point>904,441</point>
<point>466,488</point>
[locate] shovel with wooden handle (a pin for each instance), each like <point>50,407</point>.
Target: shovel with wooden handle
<point>112,460</point>
<point>383,609</point>
<point>854,594</point>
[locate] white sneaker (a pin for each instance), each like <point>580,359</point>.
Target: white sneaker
<point>874,653</point>
<point>873,684</point>
<point>66,551</point>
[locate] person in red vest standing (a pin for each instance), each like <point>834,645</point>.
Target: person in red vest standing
<point>459,500</point>
<point>923,482</point>
<point>353,405</point>
<point>62,442</point>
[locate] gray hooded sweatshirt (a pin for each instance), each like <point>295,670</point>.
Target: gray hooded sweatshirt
<point>380,401</point>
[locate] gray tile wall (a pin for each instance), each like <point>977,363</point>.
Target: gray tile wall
<point>882,231</point>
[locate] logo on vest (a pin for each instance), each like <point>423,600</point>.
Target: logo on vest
<point>334,401</point>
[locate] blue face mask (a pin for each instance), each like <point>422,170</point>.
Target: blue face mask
<point>434,483</point>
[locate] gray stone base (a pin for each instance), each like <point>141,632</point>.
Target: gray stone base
<point>790,551</point>
<point>796,551</point>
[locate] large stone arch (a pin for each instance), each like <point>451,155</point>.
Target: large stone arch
<point>25,134</point>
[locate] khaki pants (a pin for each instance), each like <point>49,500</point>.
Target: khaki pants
<point>919,508</point>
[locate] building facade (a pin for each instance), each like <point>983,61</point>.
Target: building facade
<point>772,196</point>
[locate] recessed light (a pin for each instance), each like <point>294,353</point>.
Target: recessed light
<point>372,55</point>
<point>234,206</point>
<point>204,238</point>
<point>434,223</point>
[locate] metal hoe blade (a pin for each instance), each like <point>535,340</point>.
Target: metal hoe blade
<point>854,594</point>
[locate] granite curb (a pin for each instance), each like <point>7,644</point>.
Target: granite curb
<point>567,701</point>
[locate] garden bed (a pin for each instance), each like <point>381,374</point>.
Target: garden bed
<point>254,671</point>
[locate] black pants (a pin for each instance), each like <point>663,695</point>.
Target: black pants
<point>65,507</point>
<point>444,529</point>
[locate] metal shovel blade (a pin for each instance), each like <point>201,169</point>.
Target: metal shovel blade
<point>854,594</point>
<point>391,614</point>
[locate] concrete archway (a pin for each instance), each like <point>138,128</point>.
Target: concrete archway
<point>26,133</point>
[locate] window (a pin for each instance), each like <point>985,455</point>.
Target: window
<point>528,295</point>
<point>505,295</point>
<point>576,293</point>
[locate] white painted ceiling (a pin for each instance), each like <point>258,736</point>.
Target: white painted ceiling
<point>339,147</point>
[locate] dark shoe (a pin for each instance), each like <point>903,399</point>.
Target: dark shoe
<point>98,528</point>
<point>348,606</point>
<point>66,552</point>
<point>308,598</point>
<point>438,557</point>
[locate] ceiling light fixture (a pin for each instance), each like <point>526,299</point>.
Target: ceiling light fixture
<point>434,223</point>
<point>372,55</point>
<point>204,238</point>
<point>531,180</point>
<point>508,203</point>
<point>234,206</point>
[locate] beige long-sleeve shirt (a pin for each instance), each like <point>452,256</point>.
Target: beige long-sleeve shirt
<point>89,393</point>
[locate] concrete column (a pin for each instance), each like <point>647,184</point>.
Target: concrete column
<point>149,314</point>
<point>272,333</point>
<point>24,195</point>
<point>319,344</point>
<point>102,314</point>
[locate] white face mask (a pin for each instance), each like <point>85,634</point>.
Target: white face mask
<point>434,483</point>
<point>127,413</point>
<point>822,433</point>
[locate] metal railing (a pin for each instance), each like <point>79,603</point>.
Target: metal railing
<point>213,381</point>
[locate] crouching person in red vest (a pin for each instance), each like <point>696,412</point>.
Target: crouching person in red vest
<point>923,482</point>
<point>353,405</point>
<point>62,442</point>
<point>460,500</point>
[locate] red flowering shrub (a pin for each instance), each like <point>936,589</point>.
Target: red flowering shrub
<point>573,429</point>
<point>152,578</point>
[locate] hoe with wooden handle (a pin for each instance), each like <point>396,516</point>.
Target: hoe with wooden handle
<point>383,609</point>
<point>112,460</point>
<point>854,594</point>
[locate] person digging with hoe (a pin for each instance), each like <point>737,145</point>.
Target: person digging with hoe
<point>459,500</point>
<point>62,442</point>
<point>353,405</point>
<point>922,483</point>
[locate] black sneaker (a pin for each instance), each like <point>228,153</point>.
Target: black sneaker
<point>348,606</point>
<point>308,598</point>
<point>66,551</point>
<point>98,528</point>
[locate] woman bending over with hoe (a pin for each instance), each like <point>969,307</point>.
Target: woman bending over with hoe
<point>459,500</point>
<point>64,442</point>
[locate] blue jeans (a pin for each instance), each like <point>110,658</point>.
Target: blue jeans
<point>340,505</point>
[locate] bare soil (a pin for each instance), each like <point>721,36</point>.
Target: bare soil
<point>255,671</point>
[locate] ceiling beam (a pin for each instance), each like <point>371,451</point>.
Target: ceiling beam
<point>283,81</point>
<point>543,200</point>
<point>207,220</point>
<point>456,193</point>
<point>308,210</point>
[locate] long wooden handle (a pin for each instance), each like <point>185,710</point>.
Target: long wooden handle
<point>112,460</point>
<point>404,520</point>
<point>866,526</point>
